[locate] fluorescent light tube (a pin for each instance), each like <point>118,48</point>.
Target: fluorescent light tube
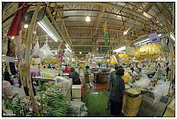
<point>142,41</point>
<point>147,15</point>
<point>115,58</point>
<point>120,49</point>
<point>159,35</point>
<point>172,36</point>
<point>126,31</point>
<point>68,48</point>
<point>43,26</point>
<point>46,25</point>
<point>99,57</point>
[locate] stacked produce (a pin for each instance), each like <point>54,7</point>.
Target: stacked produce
<point>113,60</point>
<point>126,77</point>
<point>150,49</point>
<point>53,103</point>
<point>19,106</point>
<point>50,61</point>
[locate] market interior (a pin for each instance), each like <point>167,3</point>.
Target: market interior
<point>58,58</point>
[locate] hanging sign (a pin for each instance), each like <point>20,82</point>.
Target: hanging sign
<point>154,38</point>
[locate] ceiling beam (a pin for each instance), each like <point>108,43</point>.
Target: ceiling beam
<point>129,11</point>
<point>98,22</point>
<point>59,29</point>
<point>128,17</point>
<point>63,26</point>
<point>90,27</point>
<point>90,45</point>
<point>137,24</point>
<point>109,5</point>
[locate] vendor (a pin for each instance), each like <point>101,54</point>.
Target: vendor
<point>67,69</point>
<point>75,76</point>
<point>116,88</point>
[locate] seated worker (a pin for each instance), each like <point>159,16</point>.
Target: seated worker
<point>75,76</point>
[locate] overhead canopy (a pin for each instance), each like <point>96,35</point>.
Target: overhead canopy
<point>125,23</point>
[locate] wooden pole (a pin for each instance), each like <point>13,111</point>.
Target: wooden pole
<point>55,24</point>
<point>28,60</point>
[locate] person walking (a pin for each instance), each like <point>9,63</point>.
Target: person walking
<point>116,88</point>
<point>75,77</point>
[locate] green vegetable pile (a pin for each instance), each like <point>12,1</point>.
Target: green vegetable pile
<point>53,103</point>
<point>50,100</point>
<point>20,107</point>
<point>47,86</point>
<point>96,102</point>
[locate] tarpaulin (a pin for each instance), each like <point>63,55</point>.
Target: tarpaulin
<point>15,27</point>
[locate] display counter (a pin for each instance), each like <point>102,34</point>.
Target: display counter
<point>141,103</point>
<point>39,78</point>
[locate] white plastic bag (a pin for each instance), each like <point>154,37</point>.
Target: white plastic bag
<point>63,84</point>
<point>143,82</point>
<point>161,89</point>
<point>45,51</point>
<point>36,50</point>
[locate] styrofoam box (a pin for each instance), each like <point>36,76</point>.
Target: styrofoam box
<point>76,91</point>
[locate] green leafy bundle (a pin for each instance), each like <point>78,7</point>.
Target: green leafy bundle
<point>53,103</point>
<point>47,86</point>
<point>20,107</point>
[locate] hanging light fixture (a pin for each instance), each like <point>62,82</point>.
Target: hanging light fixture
<point>147,15</point>
<point>87,19</point>
<point>25,26</point>
<point>120,49</point>
<point>13,37</point>
<point>126,31</point>
<point>44,22</point>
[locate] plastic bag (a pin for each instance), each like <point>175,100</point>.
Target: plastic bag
<point>46,52</point>
<point>63,84</point>
<point>36,52</point>
<point>143,82</point>
<point>161,89</point>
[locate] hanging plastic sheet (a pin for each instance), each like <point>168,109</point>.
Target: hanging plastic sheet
<point>161,89</point>
<point>46,53</point>
<point>15,27</point>
<point>36,51</point>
